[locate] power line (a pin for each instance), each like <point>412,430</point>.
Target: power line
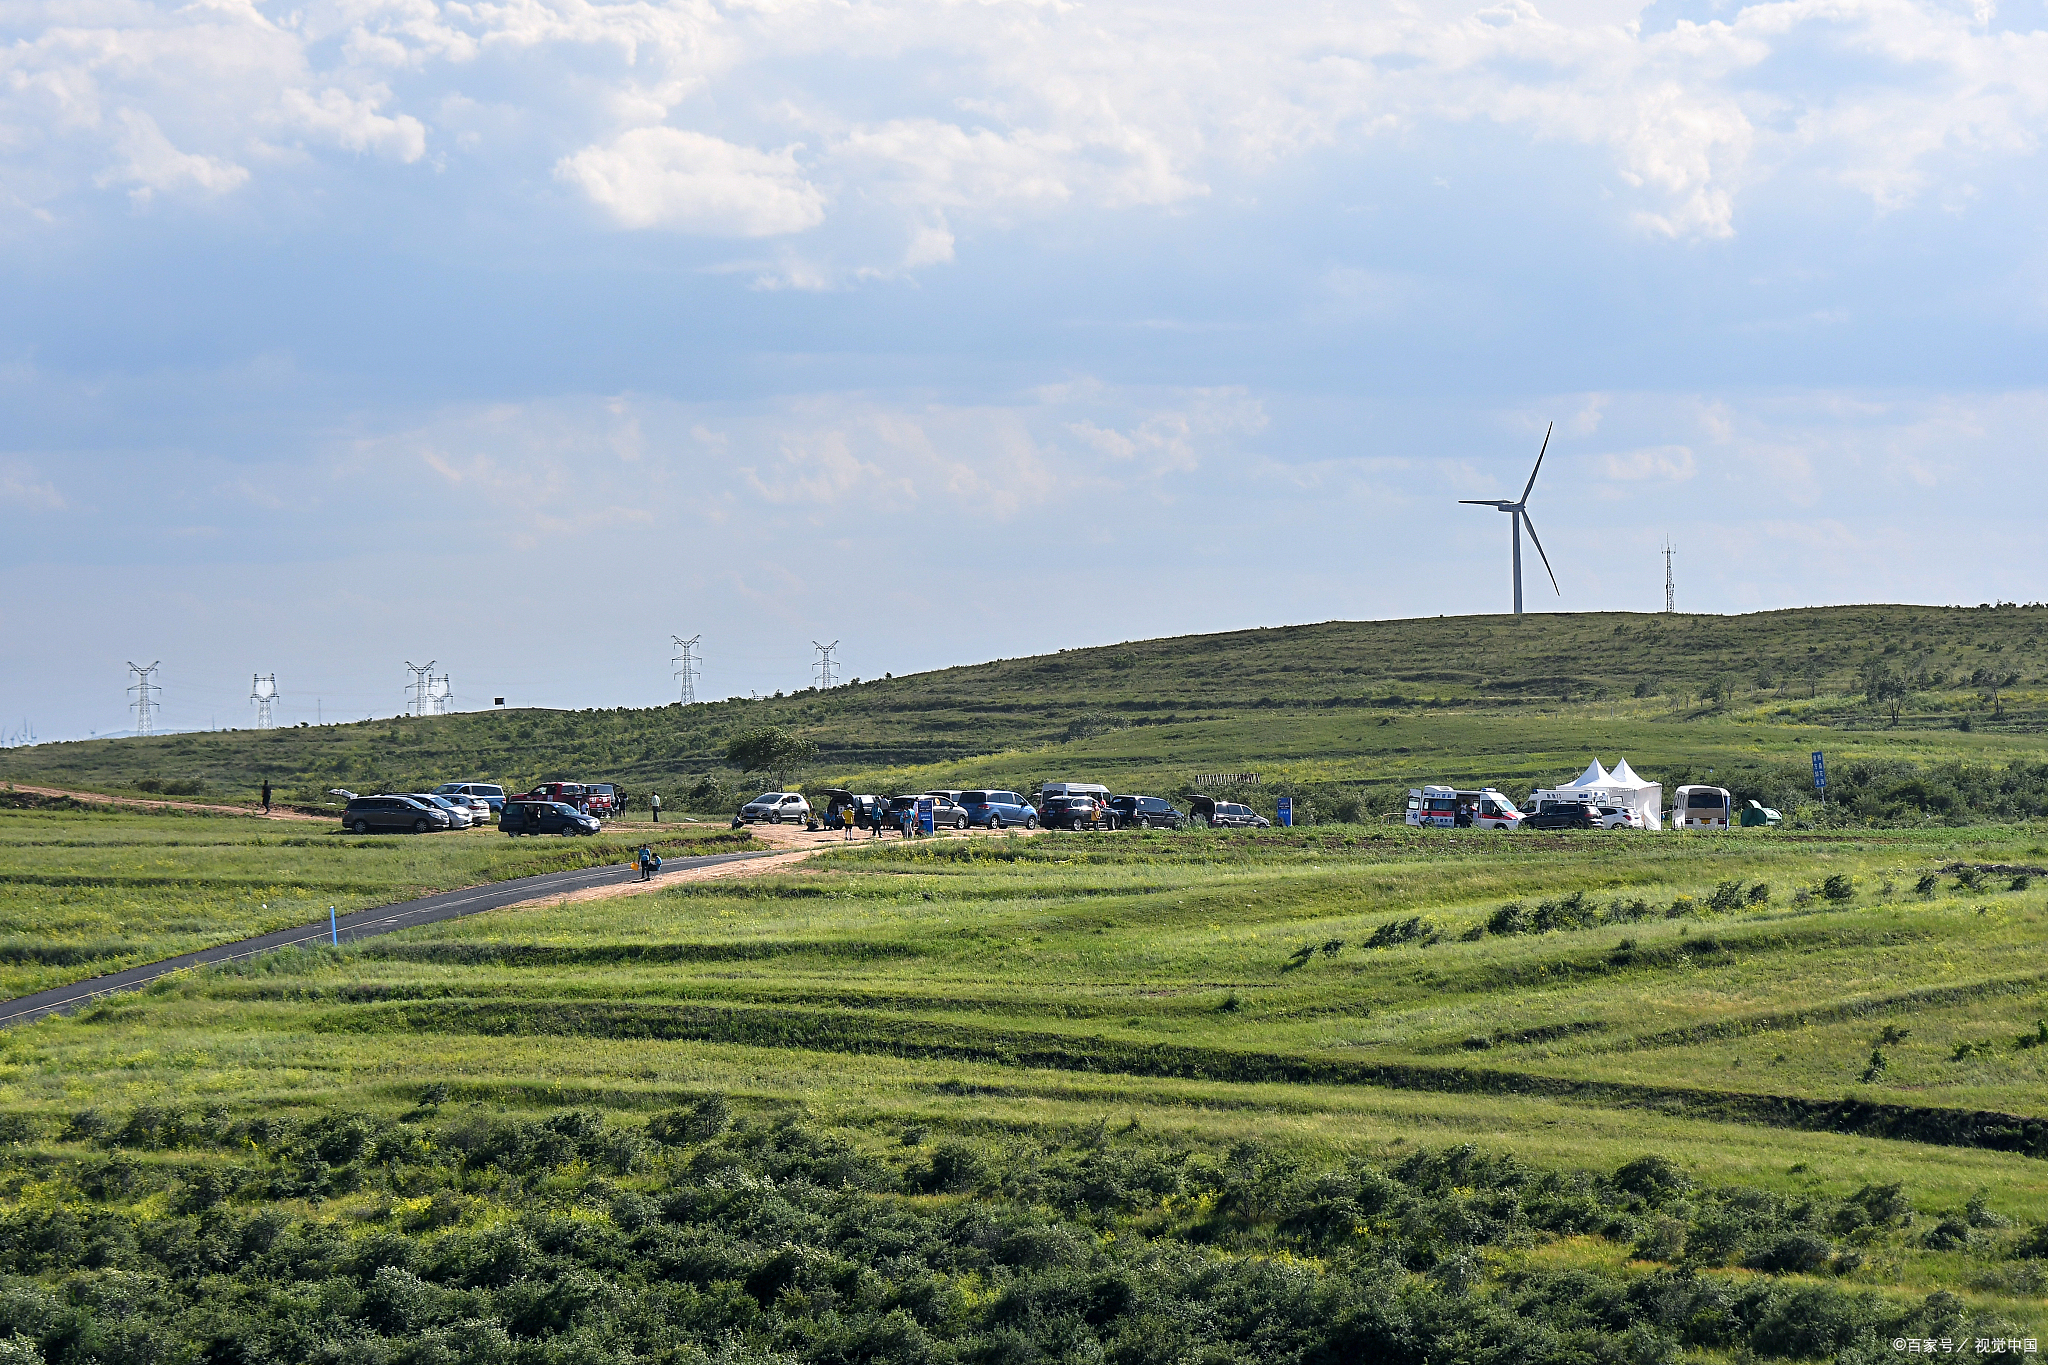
<point>145,703</point>
<point>826,677</point>
<point>1670,598</point>
<point>686,662</point>
<point>263,691</point>
<point>420,686</point>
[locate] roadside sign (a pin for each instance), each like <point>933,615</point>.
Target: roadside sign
<point>924,814</point>
<point>1820,772</point>
<point>1286,811</point>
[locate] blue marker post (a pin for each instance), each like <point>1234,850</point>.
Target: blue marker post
<point>333,927</point>
<point>1820,776</point>
<point>1284,808</point>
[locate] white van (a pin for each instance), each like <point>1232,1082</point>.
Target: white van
<point>1701,808</point>
<point>1094,789</point>
<point>1451,808</point>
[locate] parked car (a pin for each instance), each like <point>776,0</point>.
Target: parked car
<point>480,812</point>
<point>1563,815</point>
<point>1144,812</point>
<point>1048,790</point>
<point>491,792</point>
<point>946,813</point>
<point>545,817</point>
<point>568,793</point>
<point>1075,812</point>
<point>776,808</point>
<point>458,815</point>
<point>1619,817</point>
<point>1225,814</point>
<point>1696,807</point>
<point>843,808</point>
<point>367,813</point>
<point>950,793</point>
<point>998,809</point>
<point>602,800</point>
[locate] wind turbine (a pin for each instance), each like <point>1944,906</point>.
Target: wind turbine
<point>1520,512</point>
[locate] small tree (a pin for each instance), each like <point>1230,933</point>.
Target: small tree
<point>770,749</point>
<point>1885,688</point>
<point>1811,671</point>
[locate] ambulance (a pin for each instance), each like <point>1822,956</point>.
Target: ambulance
<point>1701,808</point>
<point>1451,808</point>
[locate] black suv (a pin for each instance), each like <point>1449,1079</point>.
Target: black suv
<point>1144,812</point>
<point>1226,814</point>
<point>1074,812</point>
<point>545,817</point>
<point>1563,815</point>
<point>402,813</point>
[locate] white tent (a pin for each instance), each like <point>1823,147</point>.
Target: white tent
<point>1617,787</point>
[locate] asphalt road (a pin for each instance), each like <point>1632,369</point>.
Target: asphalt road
<point>359,925</point>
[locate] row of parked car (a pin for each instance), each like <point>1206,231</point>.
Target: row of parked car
<point>1058,805</point>
<point>566,808</point>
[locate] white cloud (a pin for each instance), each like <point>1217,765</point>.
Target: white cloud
<point>22,486</point>
<point>1666,463</point>
<point>354,124</point>
<point>150,163</point>
<point>676,178</point>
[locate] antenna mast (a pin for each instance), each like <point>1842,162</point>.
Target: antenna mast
<point>145,703</point>
<point>421,686</point>
<point>686,662</point>
<point>826,677</point>
<point>1670,599</point>
<point>263,691</point>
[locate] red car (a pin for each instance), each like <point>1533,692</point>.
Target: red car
<point>568,793</point>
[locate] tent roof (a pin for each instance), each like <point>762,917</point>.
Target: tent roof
<point>1626,776</point>
<point>1594,776</point>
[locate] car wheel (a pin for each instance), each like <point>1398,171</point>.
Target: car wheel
<point>960,823</point>
<point>1031,822</point>
<point>1144,822</point>
<point>361,827</point>
<point>419,827</point>
<point>995,822</point>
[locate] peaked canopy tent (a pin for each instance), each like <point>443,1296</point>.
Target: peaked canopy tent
<point>1619,786</point>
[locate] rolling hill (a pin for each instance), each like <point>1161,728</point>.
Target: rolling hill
<point>1343,713</point>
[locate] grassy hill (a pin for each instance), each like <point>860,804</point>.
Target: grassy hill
<point>1344,714</point>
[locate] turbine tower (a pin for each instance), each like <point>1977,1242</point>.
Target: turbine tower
<point>421,686</point>
<point>686,663</point>
<point>826,678</point>
<point>1670,598</point>
<point>1518,513</point>
<point>263,691</point>
<point>145,702</point>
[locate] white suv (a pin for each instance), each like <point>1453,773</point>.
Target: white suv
<point>776,808</point>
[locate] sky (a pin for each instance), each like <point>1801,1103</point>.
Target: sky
<point>521,336</point>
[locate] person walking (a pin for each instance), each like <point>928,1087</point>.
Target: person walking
<point>266,796</point>
<point>654,800</point>
<point>648,862</point>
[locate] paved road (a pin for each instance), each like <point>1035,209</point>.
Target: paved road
<point>361,924</point>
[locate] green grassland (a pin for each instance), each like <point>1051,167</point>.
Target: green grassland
<point>1349,1092</point>
<point>85,891</point>
<point>1343,715</point>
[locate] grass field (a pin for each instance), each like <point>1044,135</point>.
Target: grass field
<point>89,891</point>
<point>1342,715</point>
<point>1339,1093</point>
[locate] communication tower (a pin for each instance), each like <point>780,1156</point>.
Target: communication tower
<point>145,702</point>
<point>263,692</point>
<point>1670,598</point>
<point>826,677</point>
<point>686,662</point>
<point>421,687</point>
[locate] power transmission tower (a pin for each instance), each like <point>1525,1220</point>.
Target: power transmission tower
<point>263,691</point>
<point>1670,598</point>
<point>686,662</point>
<point>145,702</point>
<point>421,686</point>
<point>826,677</point>
<point>443,693</point>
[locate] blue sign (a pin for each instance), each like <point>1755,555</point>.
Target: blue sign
<point>1286,811</point>
<point>924,814</point>
<point>1820,772</point>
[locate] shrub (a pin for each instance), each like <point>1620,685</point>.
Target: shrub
<point>1509,919</point>
<point>1726,896</point>
<point>1795,1252</point>
<point>1413,930</point>
<point>703,1119</point>
<point>1759,894</point>
<point>1838,887</point>
<point>1927,884</point>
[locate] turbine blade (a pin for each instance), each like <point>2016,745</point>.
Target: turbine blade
<point>1539,550</point>
<point>1481,502</point>
<point>1539,464</point>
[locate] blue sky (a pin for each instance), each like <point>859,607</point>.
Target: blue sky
<point>523,335</point>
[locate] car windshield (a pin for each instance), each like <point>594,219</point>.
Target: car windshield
<point>565,809</point>
<point>764,798</point>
